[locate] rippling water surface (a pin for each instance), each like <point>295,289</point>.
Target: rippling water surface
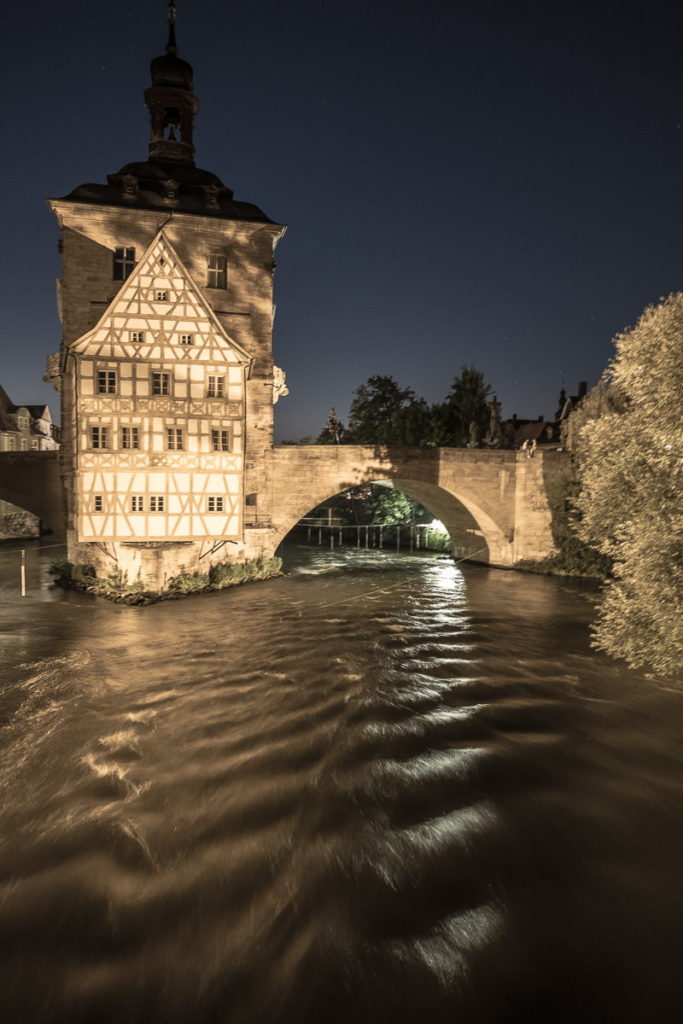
<point>378,790</point>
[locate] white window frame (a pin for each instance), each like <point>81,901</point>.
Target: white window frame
<point>102,433</point>
<point>132,441</point>
<point>215,386</point>
<point>220,439</point>
<point>175,439</point>
<point>107,381</point>
<point>165,382</point>
<point>217,270</point>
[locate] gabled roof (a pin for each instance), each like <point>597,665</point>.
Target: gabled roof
<point>160,268</point>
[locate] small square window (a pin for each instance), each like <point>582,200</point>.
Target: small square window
<point>137,337</point>
<point>215,386</point>
<point>99,437</point>
<point>137,503</point>
<point>187,339</point>
<point>216,271</point>
<point>124,262</point>
<point>130,437</point>
<point>106,382</point>
<point>156,503</point>
<point>174,439</point>
<point>220,440</point>
<point>160,296</point>
<point>215,504</point>
<point>161,383</point>
<point>98,503</point>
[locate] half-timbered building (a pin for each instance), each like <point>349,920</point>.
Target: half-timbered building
<point>165,370</point>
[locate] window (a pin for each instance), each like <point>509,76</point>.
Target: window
<point>137,503</point>
<point>98,503</point>
<point>124,261</point>
<point>137,337</point>
<point>130,437</point>
<point>187,339</point>
<point>161,383</point>
<point>35,444</point>
<point>174,439</point>
<point>10,444</point>
<point>161,296</point>
<point>106,382</point>
<point>216,271</point>
<point>99,437</point>
<point>215,504</point>
<point>156,503</point>
<point>216,386</point>
<point>220,440</point>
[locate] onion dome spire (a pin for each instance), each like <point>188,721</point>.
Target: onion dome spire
<point>172,103</point>
<point>171,44</point>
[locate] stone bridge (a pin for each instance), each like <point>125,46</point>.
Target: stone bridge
<point>494,504</point>
<point>32,481</point>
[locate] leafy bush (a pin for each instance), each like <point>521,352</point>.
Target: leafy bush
<point>189,582</point>
<point>62,569</point>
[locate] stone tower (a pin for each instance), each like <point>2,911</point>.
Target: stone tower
<point>165,368</point>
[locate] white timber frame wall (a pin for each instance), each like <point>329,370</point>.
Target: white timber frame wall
<point>160,413</point>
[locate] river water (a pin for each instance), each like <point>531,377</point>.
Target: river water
<point>381,789</point>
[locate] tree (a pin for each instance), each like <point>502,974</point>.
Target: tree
<point>465,403</point>
<point>631,475</point>
<point>375,411</point>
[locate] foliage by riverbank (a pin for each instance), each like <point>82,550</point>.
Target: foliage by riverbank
<point>630,505</point>
<point>116,587</point>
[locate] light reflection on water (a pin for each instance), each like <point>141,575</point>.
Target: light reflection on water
<point>380,789</point>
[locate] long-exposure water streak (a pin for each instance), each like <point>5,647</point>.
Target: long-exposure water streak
<point>379,789</point>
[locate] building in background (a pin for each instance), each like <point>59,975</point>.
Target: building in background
<point>25,428</point>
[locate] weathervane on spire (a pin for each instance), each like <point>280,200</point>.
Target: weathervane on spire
<point>171,44</point>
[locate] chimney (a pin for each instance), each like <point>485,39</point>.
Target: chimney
<point>583,386</point>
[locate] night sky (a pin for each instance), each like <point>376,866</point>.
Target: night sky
<point>497,184</point>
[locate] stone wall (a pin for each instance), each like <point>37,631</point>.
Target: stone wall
<point>16,522</point>
<point>32,481</point>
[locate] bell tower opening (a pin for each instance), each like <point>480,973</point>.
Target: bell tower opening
<point>172,103</point>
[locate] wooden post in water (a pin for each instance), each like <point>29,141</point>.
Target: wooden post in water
<point>380,535</point>
<point>23,572</point>
<point>320,535</point>
<point>366,538</point>
<point>331,540</point>
<point>398,538</point>
<point>357,536</point>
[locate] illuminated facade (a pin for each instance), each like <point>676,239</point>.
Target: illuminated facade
<point>165,369</point>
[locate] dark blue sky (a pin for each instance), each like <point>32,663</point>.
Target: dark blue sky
<point>497,185</point>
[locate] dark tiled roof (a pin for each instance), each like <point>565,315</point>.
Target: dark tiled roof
<point>169,186</point>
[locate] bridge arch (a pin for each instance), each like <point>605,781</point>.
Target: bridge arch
<point>459,488</point>
<point>472,532</point>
